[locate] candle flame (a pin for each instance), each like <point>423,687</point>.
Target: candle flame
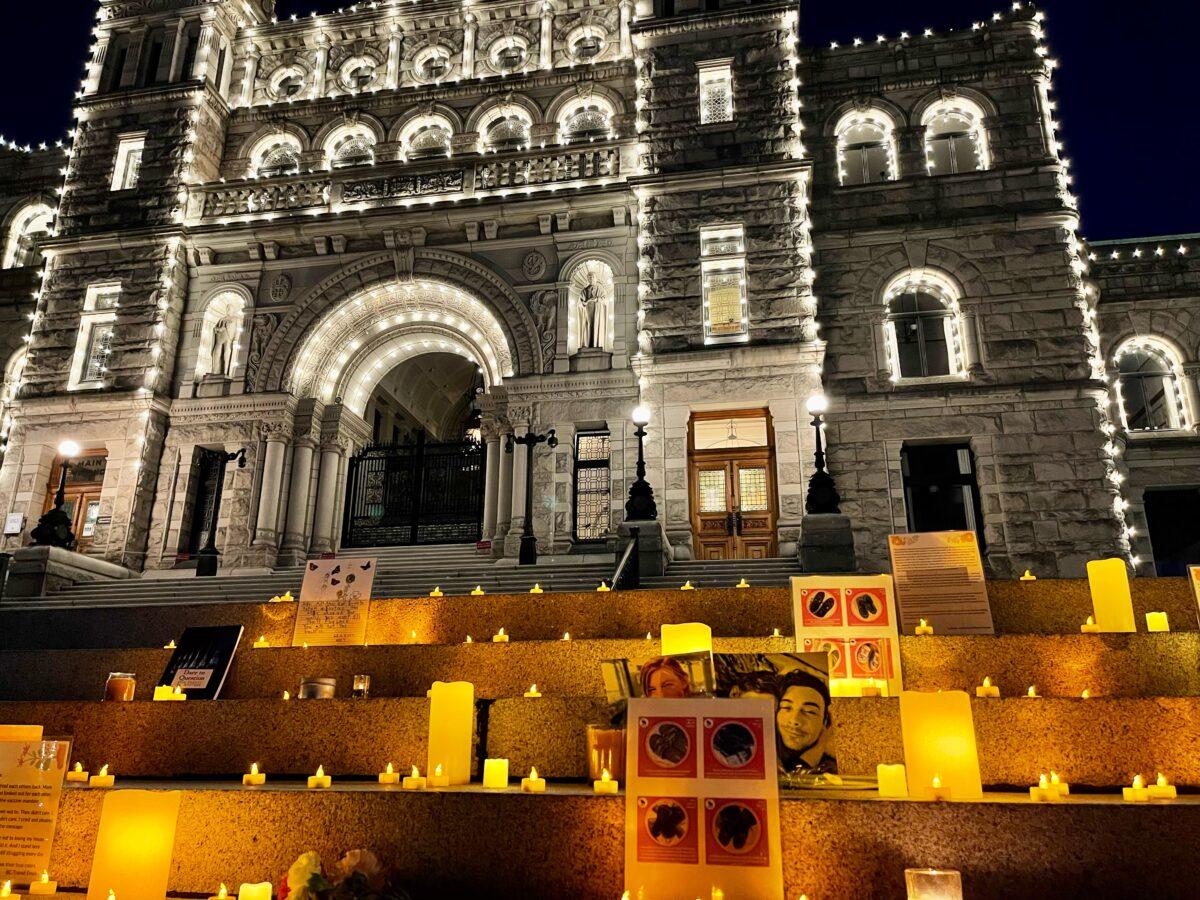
<point>416,773</point>
<point>533,688</point>
<point>501,631</point>
<point>1054,777</point>
<point>924,623</point>
<point>1138,782</point>
<point>604,776</point>
<point>253,768</point>
<point>1086,695</point>
<point>533,773</point>
<point>287,696</point>
<point>987,681</point>
<point>112,895</point>
<point>1090,621</point>
<point>222,892</point>
<point>775,633</point>
<point>566,635</point>
<point>6,889</point>
<point>104,770</point>
<point>937,781</point>
<point>45,877</point>
<point>413,634</point>
<point>437,770</point>
<point>649,637</point>
<point>1043,781</point>
<point>1162,780</point>
<point>1032,692</point>
<point>170,645</point>
<point>78,767</point>
<point>320,771</point>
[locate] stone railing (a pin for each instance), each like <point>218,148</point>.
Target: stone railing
<point>260,197</point>
<point>549,168</point>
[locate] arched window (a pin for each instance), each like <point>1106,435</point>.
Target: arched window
<point>866,148</point>
<point>507,128</point>
<point>955,139</point>
<point>350,145</point>
<point>508,54</point>
<point>1148,386</point>
<point>275,154</point>
<point>29,225</point>
<point>426,136</point>
<point>585,119</point>
<point>586,43</point>
<point>357,74</point>
<point>432,64</point>
<point>286,83</point>
<point>922,327</point>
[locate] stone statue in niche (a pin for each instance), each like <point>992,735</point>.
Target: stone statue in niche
<point>592,300</point>
<point>220,361</point>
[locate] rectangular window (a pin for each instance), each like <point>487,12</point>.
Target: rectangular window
<point>593,486</point>
<point>716,92</point>
<point>99,346</point>
<point>940,491</point>
<point>723,282</point>
<point>93,344</point>
<point>128,166</point>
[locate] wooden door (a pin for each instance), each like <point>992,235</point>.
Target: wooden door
<point>81,497</point>
<point>754,507</point>
<point>712,509</point>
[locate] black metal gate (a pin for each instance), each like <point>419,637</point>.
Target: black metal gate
<point>418,493</point>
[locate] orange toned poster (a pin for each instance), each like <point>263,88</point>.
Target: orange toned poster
<point>734,747</point>
<point>31,780</point>
<point>335,600</point>
<point>939,578</point>
<point>668,830</point>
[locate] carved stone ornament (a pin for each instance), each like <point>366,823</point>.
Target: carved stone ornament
<point>533,265</point>
<point>544,307</point>
<point>261,330</point>
<point>281,287</point>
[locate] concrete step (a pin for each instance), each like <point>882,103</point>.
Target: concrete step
<point>569,843</point>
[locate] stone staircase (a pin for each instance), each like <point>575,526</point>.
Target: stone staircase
<point>725,573</point>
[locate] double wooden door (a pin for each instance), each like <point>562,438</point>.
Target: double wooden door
<point>734,505</point>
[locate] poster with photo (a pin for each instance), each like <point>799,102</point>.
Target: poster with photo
<point>663,677</point>
<point>335,599</point>
<point>717,828</point>
<point>853,619</point>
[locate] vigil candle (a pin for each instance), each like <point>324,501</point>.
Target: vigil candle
<point>500,637</point>
<point>536,589</point>
<point>775,633</point>
<point>438,777</point>
<point>1028,576</point>
<point>436,592</point>
<point>261,642</point>
<point>495,774</point>
<point>254,778</point>
<point>603,588</point>
<point>532,692</point>
<point>1157,622</point>
<point>892,780</point>
<point>451,728</point>
<point>533,784</point>
<point>939,741</point>
<point>103,780</point>
<point>167,692</point>
<point>923,628</point>
<point>320,780</point>
<point>566,636</point>
<point>6,891</point>
<point>1059,785</point>
<point>390,776</point>
<point>987,689</point>
<point>687,637</point>
<point>1161,790</point>
<point>468,640</point>
<point>1085,694</point>
<point>1032,692</point>
<point>687,586</point>
<point>43,886</point>
<point>605,785</point>
<point>78,774</point>
<point>260,891</point>
<point>478,592</point>
<point>1112,603</point>
<point>1090,626</point>
<point>742,584</point>
<point>413,782</point>
<point>170,645</point>
<point>1044,791</point>
<point>871,689</point>
<point>1137,792</point>
<point>222,893</point>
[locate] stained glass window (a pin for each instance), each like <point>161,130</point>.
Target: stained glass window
<point>593,486</point>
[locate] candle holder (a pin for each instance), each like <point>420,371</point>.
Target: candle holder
<point>317,688</point>
<point>933,884</point>
<point>120,686</point>
<point>606,750</point>
<point>361,688</point>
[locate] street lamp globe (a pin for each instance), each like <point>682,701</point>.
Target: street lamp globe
<point>68,449</point>
<point>641,414</point>
<point>816,404</point>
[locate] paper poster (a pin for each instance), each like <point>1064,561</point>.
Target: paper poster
<point>335,600</point>
<point>31,780</point>
<point>939,578</point>
<point>1194,578</point>
<point>715,827</point>
<point>853,619</point>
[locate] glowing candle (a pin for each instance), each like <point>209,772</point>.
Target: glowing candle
<point>937,790</point>
<point>923,628</point>
<point>1137,792</point>
<point>451,727</point>
<point>134,844</point>
<point>533,784</point>
<point>468,640</point>
<point>939,742</point>
<point>536,589</point>
<point>1059,785</point>
<point>688,637</point>
<point>1085,694</point>
<point>1032,692</point>
<point>1161,789</point>
<point>436,592</point>
<point>872,689</point>
<point>1112,603</point>
<point>439,778</point>
<point>43,886</point>
<point>78,774</point>
<point>606,784</point>
<point>495,774</point>
<point>532,692</point>
<point>1090,626</point>
<point>169,645</point>
<point>287,695</point>
<point>285,597</point>
<point>775,633</point>
<point>566,636</point>
<point>254,778</point>
<point>500,637</point>
<point>103,780</point>
<point>478,592</point>
<point>412,782</point>
<point>742,584</point>
<point>603,588</point>
<point>1157,622</point>
<point>320,780</point>
<point>6,891</point>
<point>893,780</point>
<point>166,692</point>
<point>1028,576</point>
<point>1044,791</point>
<point>649,636</point>
<point>222,893</point>
<point>932,884</point>
<point>260,891</point>
<point>987,689</point>
<point>261,642</point>
<point>687,586</point>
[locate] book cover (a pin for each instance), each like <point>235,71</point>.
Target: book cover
<point>201,660</point>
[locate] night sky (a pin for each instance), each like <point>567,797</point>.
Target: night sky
<point>1126,88</point>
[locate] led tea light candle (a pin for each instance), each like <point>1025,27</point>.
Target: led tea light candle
<point>500,637</point>
<point>320,780</point>
<point>390,776</point>
<point>478,592</point>
<point>436,592</point>
<point>1085,694</point>
<point>7,891</point>
<point>43,887</point>
<point>1090,626</point>
<point>169,645</point>
<point>532,692</point>
<point>533,784</point>
<point>254,778</point>
<point>261,642</point>
<point>1161,789</point>
<point>287,695</point>
<point>923,628</point>
<point>78,774</point>
<point>605,784</point>
<point>103,780</point>
<point>775,633</point>
<point>1157,622</point>
<point>987,689</point>
<point>469,640</point>
<point>536,589</point>
<point>285,597</point>
<point>687,586</point>
<point>166,692</point>
<point>603,588</point>
<point>260,891</point>
<point>893,780</point>
<point>742,584</point>
<point>1137,792</point>
<point>1059,785</point>
<point>495,774</point>
<point>566,636</point>
<point>1032,692</point>
<point>439,778</point>
<point>1044,791</point>
<point>222,893</point>
<point>1028,576</point>
<point>937,790</point>
<point>412,782</point>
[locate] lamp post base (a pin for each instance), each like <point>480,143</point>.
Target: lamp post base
<point>827,543</point>
<point>207,562</point>
<point>54,530</point>
<point>528,553</point>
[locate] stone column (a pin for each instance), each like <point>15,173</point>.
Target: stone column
<point>177,50</point>
<point>297,510</point>
<point>1191,396</point>
<point>322,63</point>
<point>249,77</point>
<point>468,57</point>
<point>270,488</point>
<point>491,482</point>
<point>201,67</point>
<point>626,19</point>
<point>520,455</point>
<point>503,495</point>
<point>322,530</point>
<point>393,60</point>
<point>546,48</point>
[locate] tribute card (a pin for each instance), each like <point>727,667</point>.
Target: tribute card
<point>31,780</point>
<point>939,578</point>
<point>335,600</point>
<point>201,660</point>
<point>702,799</point>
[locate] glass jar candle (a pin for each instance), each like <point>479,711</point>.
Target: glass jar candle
<point>317,688</point>
<point>606,750</point>
<point>361,689</point>
<point>120,686</point>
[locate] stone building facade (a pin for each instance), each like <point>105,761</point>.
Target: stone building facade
<point>294,238</point>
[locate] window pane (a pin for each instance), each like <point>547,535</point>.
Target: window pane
<point>937,354</point>
<point>752,489</point>
<point>723,291</point>
<point>99,344</point>
<point>939,156</point>
<point>593,486</point>
<point>908,346</point>
<point>1146,400</point>
<point>854,164</point>
<point>711,487</point>
<point>876,161</point>
<point>716,95</point>
<point>966,154</point>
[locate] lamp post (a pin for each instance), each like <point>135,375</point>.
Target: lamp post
<point>529,440</point>
<point>54,527</point>
<point>206,559</point>
<point>641,506</point>
<point>822,492</point>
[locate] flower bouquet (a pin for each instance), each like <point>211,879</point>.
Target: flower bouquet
<point>358,876</point>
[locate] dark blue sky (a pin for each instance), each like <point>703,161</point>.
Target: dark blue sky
<point>1126,88</point>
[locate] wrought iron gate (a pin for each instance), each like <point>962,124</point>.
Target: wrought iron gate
<point>418,493</point>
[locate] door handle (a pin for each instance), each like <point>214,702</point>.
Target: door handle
<point>730,524</point>
<point>737,522</point>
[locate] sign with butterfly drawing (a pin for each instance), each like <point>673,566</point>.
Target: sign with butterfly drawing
<point>335,599</point>
<point>853,619</point>
<point>702,799</point>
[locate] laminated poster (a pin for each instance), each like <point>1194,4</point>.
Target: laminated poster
<point>702,799</point>
<point>939,578</point>
<point>31,780</point>
<point>335,600</point>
